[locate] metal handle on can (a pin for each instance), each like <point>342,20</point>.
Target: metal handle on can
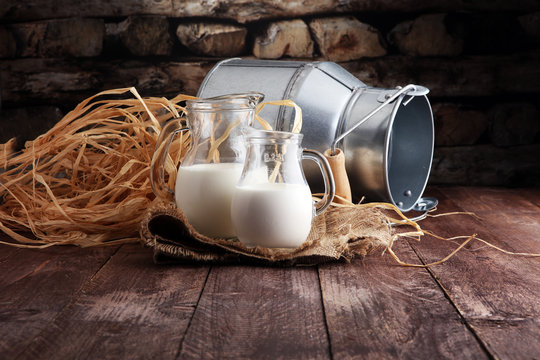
<point>411,89</point>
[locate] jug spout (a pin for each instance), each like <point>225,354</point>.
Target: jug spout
<point>237,101</point>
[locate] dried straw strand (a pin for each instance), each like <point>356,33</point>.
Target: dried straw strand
<point>419,232</point>
<point>296,128</point>
<point>86,180</point>
<point>213,153</point>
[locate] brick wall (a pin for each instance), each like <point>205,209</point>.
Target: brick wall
<point>480,59</point>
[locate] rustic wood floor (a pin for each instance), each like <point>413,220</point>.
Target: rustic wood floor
<point>114,303</point>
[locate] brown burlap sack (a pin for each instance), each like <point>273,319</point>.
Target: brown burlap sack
<point>340,233</point>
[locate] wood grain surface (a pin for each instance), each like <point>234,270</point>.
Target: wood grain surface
<point>130,309</point>
<point>114,303</point>
<point>493,291</point>
<point>373,311</point>
<point>258,313</point>
<point>35,285</point>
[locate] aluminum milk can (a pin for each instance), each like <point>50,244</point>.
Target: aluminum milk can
<point>387,135</point>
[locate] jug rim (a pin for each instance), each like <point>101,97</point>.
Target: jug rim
<point>273,136</point>
<point>235,101</point>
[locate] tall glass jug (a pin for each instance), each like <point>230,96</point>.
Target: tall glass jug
<point>210,170</point>
<point>272,205</point>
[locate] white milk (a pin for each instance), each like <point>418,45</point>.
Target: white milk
<point>204,193</point>
<point>272,215</point>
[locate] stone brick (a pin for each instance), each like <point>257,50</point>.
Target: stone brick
<point>27,123</point>
<point>64,37</point>
<point>454,77</point>
<point>75,37</point>
<point>213,39</point>
<point>41,80</point>
<point>346,38</point>
<point>427,35</point>
<point>530,23</point>
<point>244,11</point>
<point>69,81</point>
<point>31,39</point>
<point>493,33</point>
<point>486,165</point>
<point>284,38</point>
<point>457,125</point>
<point>143,35</point>
<point>514,124</point>
<point>482,76</point>
<point>8,46</point>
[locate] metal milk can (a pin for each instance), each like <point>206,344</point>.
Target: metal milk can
<point>387,135</point>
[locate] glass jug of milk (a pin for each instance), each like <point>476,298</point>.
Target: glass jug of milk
<point>210,170</point>
<point>272,204</point>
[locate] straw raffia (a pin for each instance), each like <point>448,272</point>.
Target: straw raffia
<point>86,180</point>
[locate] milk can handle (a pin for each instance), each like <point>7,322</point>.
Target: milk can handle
<point>329,186</point>
<point>161,152</point>
<point>411,89</point>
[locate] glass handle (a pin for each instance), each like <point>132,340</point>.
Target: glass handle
<point>329,186</point>
<point>161,152</point>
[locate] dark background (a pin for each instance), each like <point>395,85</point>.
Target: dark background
<point>479,58</point>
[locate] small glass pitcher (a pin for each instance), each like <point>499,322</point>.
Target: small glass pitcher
<point>272,204</point>
<point>211,168</point>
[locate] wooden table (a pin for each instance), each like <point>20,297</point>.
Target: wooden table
<point>67,302</point>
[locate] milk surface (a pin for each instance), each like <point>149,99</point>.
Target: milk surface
<point>204,193</point>
<point>272,215</point>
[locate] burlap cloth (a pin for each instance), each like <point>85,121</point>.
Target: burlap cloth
<point>340,233</point>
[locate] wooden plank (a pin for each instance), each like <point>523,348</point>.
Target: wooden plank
<point>258,313</point>
<point>510,338</point>
<point>5,253</point>
<point>35,285</point>
<point>131,309</point>
<point>494,199</point>
<point>531,194</point>
<point>492,290</point>
<point>507,213</point>
<point>377,309</point>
